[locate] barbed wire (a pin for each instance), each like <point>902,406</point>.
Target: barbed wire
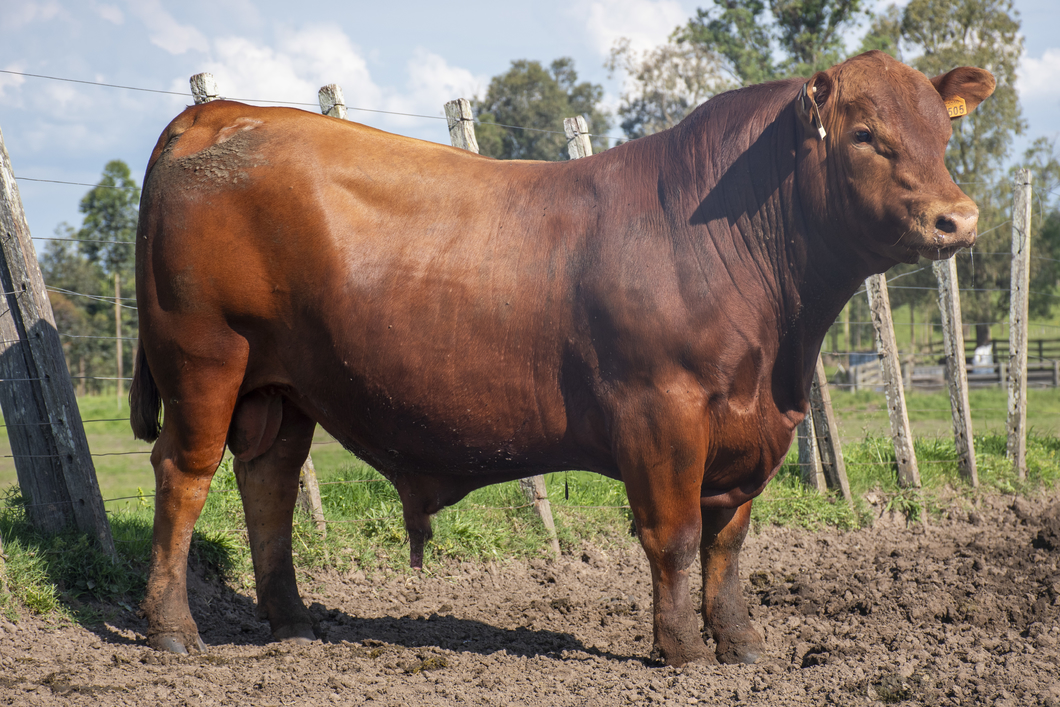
<point>99,298</point>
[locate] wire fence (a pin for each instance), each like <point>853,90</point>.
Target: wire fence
<point>834,353</point>
<point>293,103</point>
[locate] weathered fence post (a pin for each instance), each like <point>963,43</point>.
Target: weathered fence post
<point>309,495</point>
<point>809,457</point>
<point>331,101</point>
<point>820,455</point>
<point>461,123</point>
<point>204,88</point>
<point>579,142</point>
<point>534,490</point>
<point>1017,346</point>
<point>953,344</point>
<point>117,339</point>
<point>880,304</point>
<point>52,460</point>
<point>827,434</point>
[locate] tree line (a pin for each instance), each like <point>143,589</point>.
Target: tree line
<point>727,44</point>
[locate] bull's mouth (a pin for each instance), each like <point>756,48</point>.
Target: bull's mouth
<point>939,252</point>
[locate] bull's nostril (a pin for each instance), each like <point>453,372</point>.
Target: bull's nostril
<point>945,224</point>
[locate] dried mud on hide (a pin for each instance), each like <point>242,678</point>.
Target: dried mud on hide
<point>963,612</point>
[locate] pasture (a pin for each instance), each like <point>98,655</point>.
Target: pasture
<point>858,606</point>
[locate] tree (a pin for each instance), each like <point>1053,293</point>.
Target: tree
<point>885,32</point>
<point>943,34</point>
<point>664,84</point>
<point>107,236</point>
<point>78,290</point>
<point>808,34</point>
<point>1044,162</point>
<point>521,115</point>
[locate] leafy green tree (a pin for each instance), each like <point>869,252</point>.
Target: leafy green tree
<point>664,84</point>
<point>78,290</point>
<point>106,242</point>
<point>885,32</point>
<point>521,115</point>
<point>111,210</point>
<point>737,30</point>
<point>943,34</point>
<point>807,33</point>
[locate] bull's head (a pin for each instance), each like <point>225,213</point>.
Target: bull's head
<point>876,133</point>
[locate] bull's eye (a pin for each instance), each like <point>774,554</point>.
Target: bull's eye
<point>862,136</point>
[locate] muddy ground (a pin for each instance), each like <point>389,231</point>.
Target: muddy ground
<point>964,611</point>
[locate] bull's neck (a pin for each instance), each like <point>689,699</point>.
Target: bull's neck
<point>751,217</point>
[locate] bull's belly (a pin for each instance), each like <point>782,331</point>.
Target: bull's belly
<point>467,432</point>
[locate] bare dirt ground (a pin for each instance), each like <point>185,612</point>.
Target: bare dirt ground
<point>961,612</point>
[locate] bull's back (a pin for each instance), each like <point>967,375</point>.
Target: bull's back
<point>401,291</point>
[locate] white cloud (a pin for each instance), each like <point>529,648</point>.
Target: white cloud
<point>647,23</point>
<point>1036,78</point>
<point>14,15</point>
<point>294,70</point>
<point>165,32</point>
<point>300,61</point>
<point>431,83</point>
<point>111,13</point>
<point>11,81</point>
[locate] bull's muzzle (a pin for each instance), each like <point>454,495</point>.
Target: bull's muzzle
<point>953,229</point>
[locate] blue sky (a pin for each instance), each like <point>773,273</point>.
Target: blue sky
<point>399,57</point>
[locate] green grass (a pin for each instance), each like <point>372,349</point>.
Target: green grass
<point>64,577</point>
<point>870,465</point>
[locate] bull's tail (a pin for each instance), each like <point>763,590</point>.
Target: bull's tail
<point>145,403</point>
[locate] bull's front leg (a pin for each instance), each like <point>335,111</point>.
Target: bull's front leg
<point>725,614</point>
<point>663,477</point>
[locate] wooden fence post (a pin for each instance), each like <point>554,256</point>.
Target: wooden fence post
<point>331,101</point>
<point>579,142</point>
<point>462,134</point>
<point>204,88</point>
<point>535,491</point>
<point>809,458</point>
<point>880,304</point>
<point>953,344</point>
<point>827,434</point>
<point>52,459</point>
<point>1017,338</point>
<point>309,495</point>
<point>461,124</point>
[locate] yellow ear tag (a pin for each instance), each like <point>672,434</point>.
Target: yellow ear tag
<point>956,107</point>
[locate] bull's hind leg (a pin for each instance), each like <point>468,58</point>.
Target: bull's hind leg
<point>725,614</point>
<point>185,457</point>
<point>270,439</point>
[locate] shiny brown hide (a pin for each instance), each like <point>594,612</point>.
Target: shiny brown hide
<point>652,313</point>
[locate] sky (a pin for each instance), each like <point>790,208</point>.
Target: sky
<point>398,57</point>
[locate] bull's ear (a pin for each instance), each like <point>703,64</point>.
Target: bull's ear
<point>963,89</point>
<point>812,100</point>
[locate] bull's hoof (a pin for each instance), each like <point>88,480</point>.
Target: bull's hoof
<point>173,643</point>
<point>744,649</point>
<point>298,634</point>
<point>678,658</point>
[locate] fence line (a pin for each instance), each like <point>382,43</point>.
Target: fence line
<point>583,133</point>
<point>296,103</point>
